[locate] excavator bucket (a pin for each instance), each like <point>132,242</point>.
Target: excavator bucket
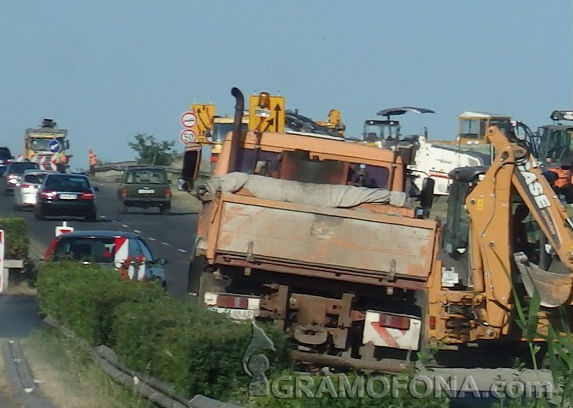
<point>554,288</point>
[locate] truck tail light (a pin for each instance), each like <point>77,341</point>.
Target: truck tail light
<point>234,302</point>
<point>123,192</point>
<point>214,158</point>
<point>47,194</point>
<point>87,196</point>
<point>394,321</point>
<point>432,322</point>
<point>168,192</point>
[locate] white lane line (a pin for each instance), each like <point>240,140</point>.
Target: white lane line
<point>125,225</point>
<point>103,217</point>
<point>152,239</point>
<point>137,231</point>
<point>181,250</point>
<point>165,243</point>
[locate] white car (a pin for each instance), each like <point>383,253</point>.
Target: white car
<point>26,191</point>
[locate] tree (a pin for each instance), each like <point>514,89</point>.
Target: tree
<point>151,151</point>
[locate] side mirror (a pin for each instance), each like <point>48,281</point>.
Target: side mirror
<point>427,193</point>
<point>191,163</point>
<point>67,144</point>
<point>160,261</point>
<point>96,189</point>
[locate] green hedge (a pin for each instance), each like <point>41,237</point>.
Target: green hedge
<point>16,239</point>
<point>196,350</point>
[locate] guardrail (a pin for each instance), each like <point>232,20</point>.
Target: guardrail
<point>150,388</point>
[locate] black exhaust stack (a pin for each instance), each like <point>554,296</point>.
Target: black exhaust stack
<point>237,125</point>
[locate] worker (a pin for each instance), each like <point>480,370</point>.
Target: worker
<point>61,162</point>
<point>92,161</point>
<point>561,178</point>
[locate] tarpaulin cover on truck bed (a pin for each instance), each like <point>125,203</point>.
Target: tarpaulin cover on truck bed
<point>326,195</point>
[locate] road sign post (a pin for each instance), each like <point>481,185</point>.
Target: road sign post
<point>55,146</point>
<point>187,136</point>
<point>188,119</point>
<point>269,118</point>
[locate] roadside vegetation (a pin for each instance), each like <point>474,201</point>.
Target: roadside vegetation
<point>69,377</point>
<point>195,350</point>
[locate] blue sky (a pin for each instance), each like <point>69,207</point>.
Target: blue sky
<point>106,70</point>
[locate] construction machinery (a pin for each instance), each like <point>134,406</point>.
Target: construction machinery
<point>556,140</point>
<point>317,235</point>
<point>430,159</point>
<point>46,145</point>
<point>211,129</point>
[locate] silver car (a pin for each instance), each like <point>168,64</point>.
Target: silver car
<point>26,191</point>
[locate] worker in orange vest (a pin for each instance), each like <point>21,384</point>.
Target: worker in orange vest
<point>561,178</point>
<point>92,161</point>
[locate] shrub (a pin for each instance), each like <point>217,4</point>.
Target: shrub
<point>84,297</point>
<point>196,350</point>
<point>16,239</point>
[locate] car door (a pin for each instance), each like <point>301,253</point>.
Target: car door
<point>152,270</point>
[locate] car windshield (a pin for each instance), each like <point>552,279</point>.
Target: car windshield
<point>145,176</point>
<point>100,250</point>
<point>20,167</point>
<point>34,178</point>
<point>76,184</point>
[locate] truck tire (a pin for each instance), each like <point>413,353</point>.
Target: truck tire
<point>165,209</point>
<point>122,208</point>
<point>39,214</point>
<point>196,268</point>
<point>91,217</point>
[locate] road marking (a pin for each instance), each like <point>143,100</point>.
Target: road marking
<point>103,217</point>
<point>181,250</point>
<point>152,239</point>
<point>125,225</point>
<point>137,231</point>
<point>165,243</point>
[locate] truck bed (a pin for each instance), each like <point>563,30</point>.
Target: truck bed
<point>346,244</point>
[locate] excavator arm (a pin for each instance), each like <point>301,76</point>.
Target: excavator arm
<point>489,205</point>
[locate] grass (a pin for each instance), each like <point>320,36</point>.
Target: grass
<point>70,378</point>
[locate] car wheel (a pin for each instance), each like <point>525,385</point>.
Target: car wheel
<point>92,216</point>
<point>165,209</point>
<point>122,208</point>
<point>39,214</point>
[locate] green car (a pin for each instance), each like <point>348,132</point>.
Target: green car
<point>144,187</point>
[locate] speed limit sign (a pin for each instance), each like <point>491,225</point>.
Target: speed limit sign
<point>187,136</point>
<point>188,119</point>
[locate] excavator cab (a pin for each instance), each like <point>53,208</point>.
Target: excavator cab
<point>556,142</point>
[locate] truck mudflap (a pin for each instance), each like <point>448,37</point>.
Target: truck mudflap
<point>392,330</point>
<point>334,243</point>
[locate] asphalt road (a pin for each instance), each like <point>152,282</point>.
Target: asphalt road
<point>169,236</point>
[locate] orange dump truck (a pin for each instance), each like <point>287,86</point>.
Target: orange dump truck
<point>317,235</point>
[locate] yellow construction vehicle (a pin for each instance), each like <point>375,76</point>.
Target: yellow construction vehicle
<point>316,235</point>
<point>334,122</point>
<point>43,143</point>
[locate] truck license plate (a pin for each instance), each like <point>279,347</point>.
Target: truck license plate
<point>68,196</point>
<point>145,191</point>
<point>237,314</point>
